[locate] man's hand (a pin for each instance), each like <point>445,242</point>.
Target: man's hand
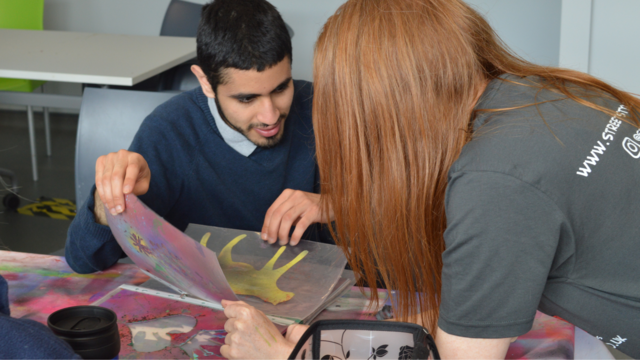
<point>251,335</point>
<point>117,174</point>
<point>292,208</point>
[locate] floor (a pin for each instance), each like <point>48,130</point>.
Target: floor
<point>36,234</point>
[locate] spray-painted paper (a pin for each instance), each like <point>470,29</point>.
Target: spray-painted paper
<point>167,253</point>
<point>152,327</point>
<point>285,281</point>
<point>549,338</point>
<point>42,284</point>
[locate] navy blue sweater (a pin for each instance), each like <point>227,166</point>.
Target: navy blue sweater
<point>197,178</point>
<point>27,339</point>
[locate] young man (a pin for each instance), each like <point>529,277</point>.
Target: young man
<point>225,154</point>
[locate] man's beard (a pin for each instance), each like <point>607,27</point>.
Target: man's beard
<point>270,141</point>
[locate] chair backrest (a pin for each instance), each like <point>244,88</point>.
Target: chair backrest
<point>108,121</point>
<point>21,14</point>
<point>181,19</point>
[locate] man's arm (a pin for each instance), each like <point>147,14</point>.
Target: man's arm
<point>90,245</point>
<point>98,210</point>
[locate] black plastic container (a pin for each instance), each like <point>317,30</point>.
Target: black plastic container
<point>92,331</point>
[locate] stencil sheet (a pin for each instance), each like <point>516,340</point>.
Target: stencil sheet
<point>311,279</point>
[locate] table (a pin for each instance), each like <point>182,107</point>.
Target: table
<point>104,59</point>
<point>42,284</point>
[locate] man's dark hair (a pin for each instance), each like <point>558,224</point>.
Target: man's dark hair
<point>240,34</point>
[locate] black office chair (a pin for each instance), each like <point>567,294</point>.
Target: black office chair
<point>180,19</point>
<point>108,121</point>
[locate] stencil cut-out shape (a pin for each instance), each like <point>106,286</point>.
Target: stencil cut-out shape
<point>141,244</point>
<point>244,279</point>
<point>154,335</point>
<point>204,343</point>
<point>205,239</point>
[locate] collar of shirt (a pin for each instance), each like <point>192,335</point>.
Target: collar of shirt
<point>233,138</point>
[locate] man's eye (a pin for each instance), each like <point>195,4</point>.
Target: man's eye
<point>245,100</point>
<point>281,88</point>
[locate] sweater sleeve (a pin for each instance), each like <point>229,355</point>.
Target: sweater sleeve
<point>27,339</point>
<point>90,246</point>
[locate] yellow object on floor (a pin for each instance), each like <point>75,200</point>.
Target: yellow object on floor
<point>61,209</point>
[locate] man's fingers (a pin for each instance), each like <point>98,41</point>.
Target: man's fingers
<point>276,222</point>
<point>120,173</point>
<point>132,174</point>
<point>266,233</point>
<point>288,220</point>
<point>301,227</point>
<point>117,178</point>
<point>107,191</point>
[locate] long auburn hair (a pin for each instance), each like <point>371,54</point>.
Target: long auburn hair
<point>395,85</point>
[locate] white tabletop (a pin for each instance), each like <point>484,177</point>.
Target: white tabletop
<point>105,59</point>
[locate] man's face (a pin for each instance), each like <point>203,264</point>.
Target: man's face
<point>254,103</point>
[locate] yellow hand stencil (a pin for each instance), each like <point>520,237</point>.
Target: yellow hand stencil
<point>245,280</point>
<point>205,239</point>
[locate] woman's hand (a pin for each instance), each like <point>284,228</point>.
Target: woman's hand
<point>295,332</point>
<point>251,335</point>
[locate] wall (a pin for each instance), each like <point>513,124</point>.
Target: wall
<point>531,28</point>
<point>535,36</point>
<point>600,37</point>
<point>595,36</point>
<point>614,54</point>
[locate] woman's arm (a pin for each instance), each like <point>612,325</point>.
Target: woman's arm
<point>456,347</point>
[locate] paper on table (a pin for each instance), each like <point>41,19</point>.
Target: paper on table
<point>166,252</point>
<point>42,284</point>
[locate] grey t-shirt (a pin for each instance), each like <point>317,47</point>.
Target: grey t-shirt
<point>544,214</point>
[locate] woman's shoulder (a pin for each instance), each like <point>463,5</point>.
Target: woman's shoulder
<point>522,123</point>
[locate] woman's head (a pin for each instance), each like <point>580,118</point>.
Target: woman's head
<point>395,83</point>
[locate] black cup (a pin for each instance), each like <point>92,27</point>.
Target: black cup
<point>92,331</point>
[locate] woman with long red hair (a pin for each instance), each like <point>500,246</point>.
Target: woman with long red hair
<point>489,186</point>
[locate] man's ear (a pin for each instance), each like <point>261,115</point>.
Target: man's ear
<point>204,82</point>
